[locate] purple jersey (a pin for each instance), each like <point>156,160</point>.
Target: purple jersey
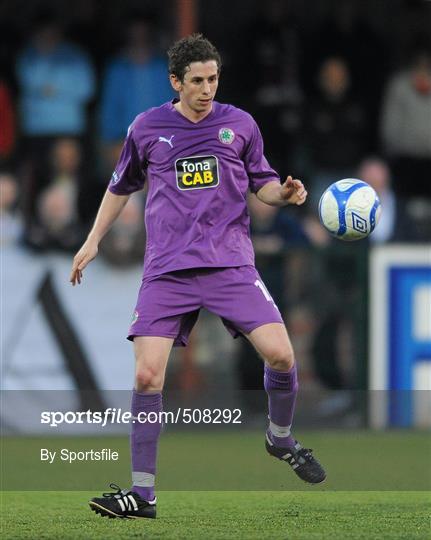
<point>198,173</point>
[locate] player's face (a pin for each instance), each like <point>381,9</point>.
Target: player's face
<point>198,88</point>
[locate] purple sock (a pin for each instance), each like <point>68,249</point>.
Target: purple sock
<point>282,388</point>
<point>143,443</point>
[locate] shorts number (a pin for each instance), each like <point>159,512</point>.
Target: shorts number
<point>264,290</point>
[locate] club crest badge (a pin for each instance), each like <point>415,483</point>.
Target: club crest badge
<point>226,135</point>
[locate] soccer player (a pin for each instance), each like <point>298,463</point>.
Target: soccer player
<point>199,157</point>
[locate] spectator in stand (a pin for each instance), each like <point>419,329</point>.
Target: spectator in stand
<point>56,223</point>
<point>393,226</point>
<point>346,32</point>
<point>335,129</point>
<point>406,126</point>
<point>399,221</point>
<point>134,81</point>
<point>275,48</point>
<point>57,218</point>
<point>56,82</point>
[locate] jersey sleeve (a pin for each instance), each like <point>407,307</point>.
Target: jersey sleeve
<point>130,173</point>
<point>258,169</point>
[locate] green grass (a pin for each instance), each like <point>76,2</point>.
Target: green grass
<point>227,461</point>
<point>377,488</point>
<point>226,515</point>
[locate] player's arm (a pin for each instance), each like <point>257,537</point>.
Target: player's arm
<point>110,209</point>
<point>292,191</point>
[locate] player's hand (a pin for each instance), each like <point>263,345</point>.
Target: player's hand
<point>86,254</point>
<point>293,191</point>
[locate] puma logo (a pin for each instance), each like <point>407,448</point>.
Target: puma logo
<point>169,141</point>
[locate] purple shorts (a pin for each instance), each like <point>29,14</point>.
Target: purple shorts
<point>168,305</point>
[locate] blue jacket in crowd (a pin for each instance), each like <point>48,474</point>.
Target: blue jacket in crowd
<point>128,89</point>
<point>55,88</point>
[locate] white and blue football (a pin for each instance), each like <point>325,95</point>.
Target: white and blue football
<point>349,209</point>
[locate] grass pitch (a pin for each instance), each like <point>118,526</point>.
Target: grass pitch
<point>378,488</point>
<point>226,515</point>
<point>226,461</point>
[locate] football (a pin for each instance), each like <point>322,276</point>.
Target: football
<point>349,209</point>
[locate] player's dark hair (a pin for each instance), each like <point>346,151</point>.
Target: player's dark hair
<point>193,48</point>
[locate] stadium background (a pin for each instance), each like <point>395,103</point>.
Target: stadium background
<point>319,77</point>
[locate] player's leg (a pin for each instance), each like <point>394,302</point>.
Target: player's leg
<point>272,343</point>
<point>151,354</point>
<point>281,384</point>
<point>239,296</point>
<point>167,306</point>
<point>166,311</point>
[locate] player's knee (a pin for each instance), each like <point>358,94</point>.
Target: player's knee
<point>280,358</point>
<point>148,379</point>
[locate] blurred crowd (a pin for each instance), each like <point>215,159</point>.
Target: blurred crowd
<point>63,123</point>
<point>333,101</point>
